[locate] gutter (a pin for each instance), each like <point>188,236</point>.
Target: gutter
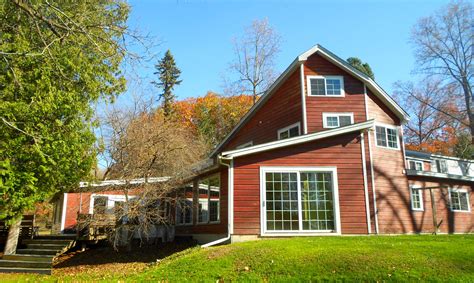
<point>230,204</point>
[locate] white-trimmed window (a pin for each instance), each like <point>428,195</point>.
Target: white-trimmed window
<point>299,200</point>
<point>441,166</point>
<point>184,206</point>
<point>415,165</point>
<point>247,144</point>
<point>459,200</point>
<point>325,86</point>
<point>335,120</point>
<point>289,132</point>
<point>386,136</point>
<point>209,200</point>
<point>416,197</point>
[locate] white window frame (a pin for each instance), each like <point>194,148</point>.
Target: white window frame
<point>416,161</point>
<point>420,190</point>
<point>340,78</point>
<point>336,114</point>
<point>191,208</point>
<point>459,190</point>
<point>438,167</point>
<point>287,128</point>
<point>209,202</point>
<point>387,126</point>
<point>295,169</point>
<point>110,199</point>
<point>244,145</point>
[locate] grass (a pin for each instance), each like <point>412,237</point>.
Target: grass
<point>382,258</point>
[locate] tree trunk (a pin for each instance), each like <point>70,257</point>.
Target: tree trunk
<point>470,113</point>
<point>13,235</point>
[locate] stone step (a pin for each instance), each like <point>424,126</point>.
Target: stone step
<point>47,242</point>
<point>25,257</point>
<point>46,247</point>
<point>37,251</point>
<point>57,237</point>
<point>25,270</point>
<point>25,264</point>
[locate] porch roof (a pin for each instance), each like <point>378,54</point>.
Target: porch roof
<point>298,140</point>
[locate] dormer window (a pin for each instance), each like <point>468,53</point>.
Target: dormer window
<point>326,86</point>
<point>335,120</point>
<point>289,132</point>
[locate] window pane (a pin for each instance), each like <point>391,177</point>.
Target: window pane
<point>284,135</point>
<point>214,187</point>
<point>203,208</point>
<point>455,205</point>
<point>344,121</point>
<point>418,166</point>
<point>317,87</point>
<point>416,198</point>
<point>294,132</point>
<point>380,135</point>
<point>441,166</point>
<point>100,204</point>
<point>464,201</point>
<point>281,206</point>
<point>317,201</point>
<point>333,86</point>
<point>332,121</point>
<point>392,138</point>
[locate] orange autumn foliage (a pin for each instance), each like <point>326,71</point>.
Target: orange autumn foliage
<point>212,116</point>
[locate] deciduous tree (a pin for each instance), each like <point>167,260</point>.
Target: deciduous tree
<point>254,63</point>
<point>444,47</point>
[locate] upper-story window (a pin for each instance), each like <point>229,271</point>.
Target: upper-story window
<point>415,165</point>
<point>441,166</point>
<point>459,200</point>
<point>386,136</point>
<point>326,86</point>
<point>464,168</point>
<point>335,120</point>
<point>247,144</point>
<point>289,132</point>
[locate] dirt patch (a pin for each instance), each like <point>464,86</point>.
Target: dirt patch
<point>105,260</point>
<point>215,253</point>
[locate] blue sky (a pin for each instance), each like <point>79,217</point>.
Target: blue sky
<point>199,34</point>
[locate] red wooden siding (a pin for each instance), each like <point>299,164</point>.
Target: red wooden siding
<point>391,183</point>
<point>353,101</point>
<point>343,152</point>
<point>73,206</point>
<point>282,109</point>
<point>450,222</point>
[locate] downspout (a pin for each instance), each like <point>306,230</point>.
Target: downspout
<point>366,189</point>
<point>230,199</point>
<point>376,219</point>
<point>303,99</point>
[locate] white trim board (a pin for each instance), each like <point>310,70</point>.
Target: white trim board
<point>368,82</point>
<point>64,212</point>
<point>298,140</point>
<point>298,169</point>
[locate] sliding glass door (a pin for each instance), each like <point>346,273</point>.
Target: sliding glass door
<point>299,200</point>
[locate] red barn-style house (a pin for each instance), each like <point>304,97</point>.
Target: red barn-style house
<point>322,153</point>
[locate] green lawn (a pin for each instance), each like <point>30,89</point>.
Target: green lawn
<point>377,258</point>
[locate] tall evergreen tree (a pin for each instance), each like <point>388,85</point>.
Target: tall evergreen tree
<point>168,76</point>
<point>363,67</point>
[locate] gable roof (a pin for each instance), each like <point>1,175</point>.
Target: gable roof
<point>298,140</point>
<point>371,84</point>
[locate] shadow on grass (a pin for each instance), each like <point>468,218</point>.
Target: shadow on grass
<point>104,254</point>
